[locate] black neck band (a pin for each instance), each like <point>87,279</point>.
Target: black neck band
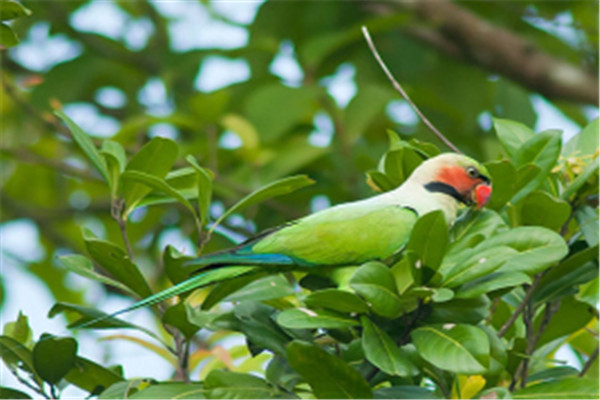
<point>441,187</point>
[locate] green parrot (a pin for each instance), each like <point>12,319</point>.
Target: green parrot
<point>347,234</point>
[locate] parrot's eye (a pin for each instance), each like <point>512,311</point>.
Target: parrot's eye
<point>472,172</point>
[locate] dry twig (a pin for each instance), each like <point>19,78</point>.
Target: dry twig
<point>400,90</point>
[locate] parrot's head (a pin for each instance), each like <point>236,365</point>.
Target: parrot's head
<point>458,176</point>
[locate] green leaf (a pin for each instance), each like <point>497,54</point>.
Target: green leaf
<point>379,181</point>
<point>441,295</point>
<point>205,187</point>
<point>14,355</point>
<point>472,229</point>
<point>257,323</point>
<point>294,106</point>
<point>8,38</point>
<point>155,158</point>
<point>512,134</point>
<point>267,288</point>
<point>426,149</point>
<point>538,248</point>
<point>552,373</point>
<point>115,160</point>
<point>571,316</point>
<point>173,261</point>
<point>177,316</point>
<point>463,349</point>
<point>328,375</point>
<point>303,318</point>
<point>382,352</point>
<point>197,316</point>
<point>587,218</point>
<point>504,180</point>
<point>234,385</point>
<point>245,131</point>
<point>19,330</point>
<point>405,392</point>
<point>277,188</point>
<point>568,388</point>
<point>374,282</point>
<point>336,300</point>
<point>158,184</point>
<point>86,144</point>
<point>581,180</point>
<point>541,209</point>
<point>585,143</point>
<point>114,260</point>
<point>88,375</point>
<point>471,311</point>
<point>429,239</point>
<point>53,357</point>
<point>498,351</point>
<point>171,390</point>
<point>225,288</point>
<point>10,393</point>
<point>82,266</point>
<point>542,150</point>
<point>490,283</point>
<point>398,164</point>
<point>10,9</point>
<point>476,265</point>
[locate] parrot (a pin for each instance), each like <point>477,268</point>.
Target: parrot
<point>351,233</point>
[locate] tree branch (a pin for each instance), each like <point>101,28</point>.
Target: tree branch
<point>502,331</point>
<point>400,90</point>
<point>459,33</point>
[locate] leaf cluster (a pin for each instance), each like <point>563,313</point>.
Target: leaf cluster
<point>480,308</point>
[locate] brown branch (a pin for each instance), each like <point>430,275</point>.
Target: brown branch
<point>400,90</point>
<point>528,294</point>
<point>459,33</point>
<point>532,339</point>
<point>589,362</point>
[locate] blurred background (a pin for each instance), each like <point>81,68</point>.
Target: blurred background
<point>255,90</point>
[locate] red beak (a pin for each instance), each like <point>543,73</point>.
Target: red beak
<point>482,194</point>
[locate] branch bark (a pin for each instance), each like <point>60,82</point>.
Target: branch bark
<point>458,33</point>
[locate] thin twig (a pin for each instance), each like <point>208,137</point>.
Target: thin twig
<point>39,390</point>
<point>400,90</point>
<point>532,339</point>
<point>589,362</point>
<point>502,331</point>
<point>116,212</point>
<point>53,392</point>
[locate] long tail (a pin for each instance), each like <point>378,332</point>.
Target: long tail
<point>195,282</point>
<point>241,257</point>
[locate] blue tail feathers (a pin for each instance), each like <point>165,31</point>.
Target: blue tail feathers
<point>242,259</point>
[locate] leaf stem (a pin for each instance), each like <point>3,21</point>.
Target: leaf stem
<point>528,294</point>
<point>589,362</point>
<point>116,212</point>
<point>400,90</point>
<point>39,390</point>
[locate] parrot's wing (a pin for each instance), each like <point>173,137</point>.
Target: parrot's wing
<point>347,234</point>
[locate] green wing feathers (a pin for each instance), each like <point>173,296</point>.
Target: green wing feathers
<point>342,235</point>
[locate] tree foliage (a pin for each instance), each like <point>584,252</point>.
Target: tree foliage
<point>477,310</point>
